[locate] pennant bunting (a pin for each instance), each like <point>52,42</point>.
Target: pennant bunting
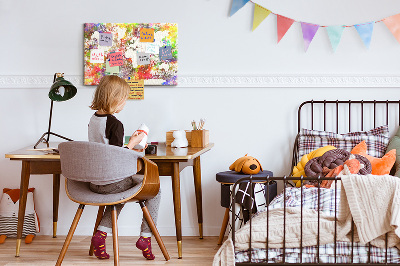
<point>236,5</point>
<point>260,13</point>
<point>393,23</point>
<point>365,32</point>
<point>335,35</point>
<point>309,31</point>
<point>283,25</point>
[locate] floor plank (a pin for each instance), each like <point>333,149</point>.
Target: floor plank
<point>44,251</point>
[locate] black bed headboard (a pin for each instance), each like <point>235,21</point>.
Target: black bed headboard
<point>366,111</point>
<point>346,116</point>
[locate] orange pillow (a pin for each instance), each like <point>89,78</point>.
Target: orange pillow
<point>380,166</point>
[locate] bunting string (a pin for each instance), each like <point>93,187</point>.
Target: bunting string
<point>309,29</point>
<point>321,26</point>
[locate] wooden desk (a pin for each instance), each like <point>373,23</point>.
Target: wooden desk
<point>170,162</point>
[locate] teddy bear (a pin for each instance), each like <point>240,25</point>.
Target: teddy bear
<point>180,140</point>
<point>9,205</point>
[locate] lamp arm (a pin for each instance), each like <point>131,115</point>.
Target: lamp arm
<point>51,111</point>
<point>51,114</point>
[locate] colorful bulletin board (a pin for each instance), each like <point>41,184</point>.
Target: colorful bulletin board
<point>133,51</point>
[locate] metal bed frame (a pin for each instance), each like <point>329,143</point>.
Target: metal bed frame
<point>337,107</point>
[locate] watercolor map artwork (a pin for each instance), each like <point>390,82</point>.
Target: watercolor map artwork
<point>133,51</point>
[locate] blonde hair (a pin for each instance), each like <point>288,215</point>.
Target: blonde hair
<point>109,93</point>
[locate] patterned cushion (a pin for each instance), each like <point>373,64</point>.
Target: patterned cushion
<point>9,224</point>
<point>377,139</point>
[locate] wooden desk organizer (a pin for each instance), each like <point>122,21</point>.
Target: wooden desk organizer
<point>200,138</point>
<point>196,138</point>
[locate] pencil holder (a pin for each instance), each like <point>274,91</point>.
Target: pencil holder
<point>199,138</point>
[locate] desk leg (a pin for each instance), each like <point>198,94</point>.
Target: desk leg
<point>25,175</point>
<point>56,199</point>
<point>197,187</point>
<point>176,190</point>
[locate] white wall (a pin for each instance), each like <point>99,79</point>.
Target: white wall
<point>42,37</point>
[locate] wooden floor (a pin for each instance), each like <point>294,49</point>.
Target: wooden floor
<point>44,250</point>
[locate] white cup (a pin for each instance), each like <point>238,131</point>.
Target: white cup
<point>142,144</point>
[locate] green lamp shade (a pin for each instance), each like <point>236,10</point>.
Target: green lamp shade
<point>62,90</point>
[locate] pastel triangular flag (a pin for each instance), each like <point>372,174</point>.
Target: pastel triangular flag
<point>309,31</point>
<point>335,35</point>
<point>393,23</point>
<point>283,24</point>
<point>260,13</point>
<point>365,32</point>
<point>236,5</point>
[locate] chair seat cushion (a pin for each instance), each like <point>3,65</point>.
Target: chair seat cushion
<point>80,192</point>
<point>230,177</point>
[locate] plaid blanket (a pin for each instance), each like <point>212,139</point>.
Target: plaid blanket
<point>310,199</point>
<point>326,254</point>
<point>244,201</point>
<point>292,198</point>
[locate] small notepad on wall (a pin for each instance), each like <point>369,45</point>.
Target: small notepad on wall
<point>137,89</point>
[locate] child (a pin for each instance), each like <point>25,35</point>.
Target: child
<point>110,98</point>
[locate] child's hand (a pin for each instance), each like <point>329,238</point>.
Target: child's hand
<point>135,139</point>
<point>141,150</point>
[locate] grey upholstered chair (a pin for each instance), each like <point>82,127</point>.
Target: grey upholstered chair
<point>82,162</point>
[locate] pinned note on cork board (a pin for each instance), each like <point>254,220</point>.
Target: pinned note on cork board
<point>137,89</point>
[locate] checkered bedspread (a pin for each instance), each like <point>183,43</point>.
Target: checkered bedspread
<point>326,252</point>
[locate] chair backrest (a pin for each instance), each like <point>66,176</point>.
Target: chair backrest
<point>93,162</point>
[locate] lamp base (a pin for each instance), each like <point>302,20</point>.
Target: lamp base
<point>45,139</point>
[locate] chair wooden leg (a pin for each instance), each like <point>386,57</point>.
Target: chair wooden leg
<point>223,227</point>
<point>115,235</point>
<point>154,230</point>
<point>98,220</point>
<point>70,234</point>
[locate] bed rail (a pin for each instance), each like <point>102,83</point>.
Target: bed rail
<point>285,180</point>
<point>338,117</point>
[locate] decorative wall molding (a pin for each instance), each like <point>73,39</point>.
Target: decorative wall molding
<point>186,81</point>
<point>289,81</point>
<point>34,81</point>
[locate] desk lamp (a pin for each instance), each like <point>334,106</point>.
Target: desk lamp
<point>61,90</point>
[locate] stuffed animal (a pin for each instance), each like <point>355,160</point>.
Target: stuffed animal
<point>180,140</point>
<point>9,205</point>
<point>246,165</point>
